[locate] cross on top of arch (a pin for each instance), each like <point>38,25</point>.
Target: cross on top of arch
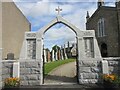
<point>58,10</point>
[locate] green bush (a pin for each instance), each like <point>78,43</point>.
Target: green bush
<point>12,82</point>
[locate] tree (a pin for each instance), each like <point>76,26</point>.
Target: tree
<point>55,48</point>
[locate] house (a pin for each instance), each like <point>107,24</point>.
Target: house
<point>13,25</point>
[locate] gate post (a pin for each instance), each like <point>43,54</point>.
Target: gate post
<point>89,58</point>
<point>39,56</point>
<point>31,60</point>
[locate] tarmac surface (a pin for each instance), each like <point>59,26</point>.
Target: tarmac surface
<point>64,87</point>
<point>64,74</point>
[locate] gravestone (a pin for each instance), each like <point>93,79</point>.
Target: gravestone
<point>65,55</point>
<point>56,55</point>
<point>10,56</point>
<point>59,57</point>
<point>61,52</point>
<point>53,56</point>
<point>44,55</point>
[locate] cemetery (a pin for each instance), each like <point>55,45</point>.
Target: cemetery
<point>60,53</point>
<point>91,67</point>
<point>29,68</point>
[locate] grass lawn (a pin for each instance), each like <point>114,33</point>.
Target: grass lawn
<point>50,66</point>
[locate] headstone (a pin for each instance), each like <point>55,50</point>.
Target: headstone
<point>73,51</point>
<point>53,56</point>
<point>56,55</point>
<point>45,60</point>
<point>65,52</point>
<point>59,57</point>
<point>61,51</point>
<point>16,69</point>
<point>48,56</point>
<point>68,50</point>
<point>10,56</point>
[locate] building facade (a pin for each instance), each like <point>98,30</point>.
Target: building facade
<point>13,25</point>
<point>106,23</point>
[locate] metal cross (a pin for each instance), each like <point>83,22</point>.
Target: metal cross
<point>58,10</point>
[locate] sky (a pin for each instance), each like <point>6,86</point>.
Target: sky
<point>41,12</point>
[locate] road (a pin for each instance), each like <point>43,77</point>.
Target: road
<point>64,74</point>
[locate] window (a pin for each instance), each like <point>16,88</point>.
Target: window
<point>101,27</point>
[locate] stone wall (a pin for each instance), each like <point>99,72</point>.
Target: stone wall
<point>30,73</point>
<point>0,68</point>
<point>114,65</point>
<point>0,74</point>
<point>7,67</point>
<point>90,71</point>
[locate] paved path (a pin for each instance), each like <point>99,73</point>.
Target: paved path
<point>64,74</point>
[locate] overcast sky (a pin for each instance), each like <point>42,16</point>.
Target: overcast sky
<point>41,12</point>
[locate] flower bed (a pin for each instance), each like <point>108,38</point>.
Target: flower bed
<point>12,82</point>
<point>111,81</point>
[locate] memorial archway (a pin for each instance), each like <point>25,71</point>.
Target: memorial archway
<point>57,20</point>
<point>89,56</point>
<point>59,54</point>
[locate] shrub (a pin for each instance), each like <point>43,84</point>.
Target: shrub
<point>110,78</point>
<point>12,82</point>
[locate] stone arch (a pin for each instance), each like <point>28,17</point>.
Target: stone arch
<point>88,51</point>
<point>40,33</point>
<point>58,19</point>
